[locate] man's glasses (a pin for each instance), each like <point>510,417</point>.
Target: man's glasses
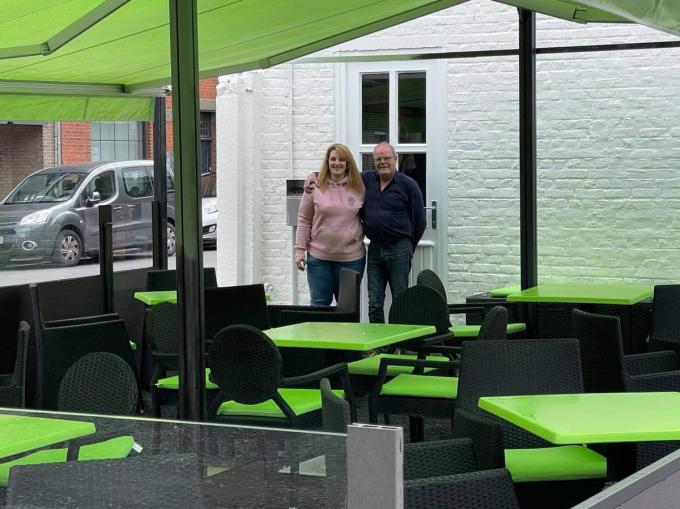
<point>383,159</point>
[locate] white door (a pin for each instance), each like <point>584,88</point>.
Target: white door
<point>403,103</point>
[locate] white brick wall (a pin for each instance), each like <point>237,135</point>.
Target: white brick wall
<point>608,152</point>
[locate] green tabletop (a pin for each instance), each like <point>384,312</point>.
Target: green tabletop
<point>592,418</point>
<point>19,433</point>
<point>158,296</point>
<point>584,294</point>
<point>472,331</point>
<point>345,336</point>
<point>505,291</point>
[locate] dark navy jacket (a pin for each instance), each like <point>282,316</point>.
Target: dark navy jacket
<point>395,213</point>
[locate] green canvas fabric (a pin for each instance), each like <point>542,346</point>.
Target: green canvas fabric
<point>302,401</point>
<point>578,12</point>
<point>370,365</point>
<point>14,107</point>
<point>114,448</point>
<point>472,331</point>
<point>565,463</point>
<point>421,386</point>
<point>172,382</point>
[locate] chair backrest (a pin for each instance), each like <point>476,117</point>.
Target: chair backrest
<point>161,327</point>
<point>349,292</point>
<point>495,325</point>
<point>429,278</point>
<point>335,411</point>
<point>67,298</point>
<point>420,305</point>
<point>518,367</point>
<point>157,280</point>
<point>231,305</point>
<point>666,313</point>
<point>99,383</point>
<point>601,351</point>
<point>245,364</point>
<point>59,347</point>
<point>13,393</point>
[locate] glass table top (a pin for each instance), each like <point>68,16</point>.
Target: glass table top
<point>183,464</point>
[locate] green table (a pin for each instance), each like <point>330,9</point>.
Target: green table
<point>357,337</point>
<point>592,418</point>
<point>584,294</point>
<point>505,291</point>
<point>471,331</point>
<point>152,298</point>
<point>19,433</point>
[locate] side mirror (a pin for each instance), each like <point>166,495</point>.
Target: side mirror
<point>94,199</point>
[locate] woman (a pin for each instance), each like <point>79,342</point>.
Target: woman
<point>329,228</point>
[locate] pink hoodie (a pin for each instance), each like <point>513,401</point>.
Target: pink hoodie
<point>328,224</point>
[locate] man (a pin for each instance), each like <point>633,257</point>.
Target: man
<point>394,221</point>
<point>393,217</point>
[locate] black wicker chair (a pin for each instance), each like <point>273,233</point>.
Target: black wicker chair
<point>430,279</point>
<point>347,308</point>
<point>231,305</point>
<point>422,394</point>
<point>99,383</point>
<point>246,366</point>
<point>58,347</point>
<point>521,367</point>
<point>606,369</point>
<point>335,411</point>
<point>12,393</point>
<point>157,280</point>
<point>665,330</point>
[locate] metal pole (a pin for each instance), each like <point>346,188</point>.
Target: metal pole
<point>185,116</point>
<point>527,157</point>
<point>160,187</point>
<point>106,255</point>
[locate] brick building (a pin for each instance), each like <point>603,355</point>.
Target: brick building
<point>27,147</point>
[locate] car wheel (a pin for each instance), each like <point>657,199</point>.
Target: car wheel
<point>68,248</point>
<point>171,239</point>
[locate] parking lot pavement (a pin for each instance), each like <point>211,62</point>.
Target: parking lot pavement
<point>36,273</point>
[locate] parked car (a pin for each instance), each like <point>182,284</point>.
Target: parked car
<point>52,214</point>
<point>209,206</point>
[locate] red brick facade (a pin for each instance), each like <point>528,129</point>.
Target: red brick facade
<point>21,153</point>
<point>75,142</point>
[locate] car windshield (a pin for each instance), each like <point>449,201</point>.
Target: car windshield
<point>46,188</point>
<point>209,185</point>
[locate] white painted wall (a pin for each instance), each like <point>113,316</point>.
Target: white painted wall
<point>608,153</point>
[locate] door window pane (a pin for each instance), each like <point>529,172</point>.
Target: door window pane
<point>414,165</point>
<point>375,108</point>
<point>411,93</point>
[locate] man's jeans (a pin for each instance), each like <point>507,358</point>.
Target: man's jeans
<point>323,278</point>
<point>387,263</point>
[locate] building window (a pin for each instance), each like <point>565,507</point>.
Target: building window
<point>207,129</point>
<point>116,141</point>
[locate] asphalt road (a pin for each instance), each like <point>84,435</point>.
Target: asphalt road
<point>49,272</point>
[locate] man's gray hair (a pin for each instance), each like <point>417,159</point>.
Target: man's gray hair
<point>394,152</point>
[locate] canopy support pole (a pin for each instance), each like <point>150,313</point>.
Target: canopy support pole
<point>160,187</point>
<point>527,158</point>
<point>185,115</point>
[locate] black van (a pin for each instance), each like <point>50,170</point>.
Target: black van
<point>52,214</point>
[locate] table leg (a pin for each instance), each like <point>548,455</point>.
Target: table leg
<point>620,460</point>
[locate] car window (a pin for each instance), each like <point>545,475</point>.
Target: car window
<point>104,184</point>
<point>137,182</point>
<point>45,188</point>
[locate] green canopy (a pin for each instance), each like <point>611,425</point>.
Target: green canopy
<point>120,48</point>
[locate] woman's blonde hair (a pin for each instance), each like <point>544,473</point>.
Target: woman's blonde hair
<point>354,180</point>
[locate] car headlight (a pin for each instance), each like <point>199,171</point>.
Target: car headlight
<point>211,208</point>
<point>38,217</point>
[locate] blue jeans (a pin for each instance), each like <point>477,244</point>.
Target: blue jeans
<point>323,278</point>
<point>387,264</point>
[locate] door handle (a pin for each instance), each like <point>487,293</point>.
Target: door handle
<point>118,207</point>
<point>131,206</point>
<point>433,215</point>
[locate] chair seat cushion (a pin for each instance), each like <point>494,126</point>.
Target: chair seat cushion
<point>370,365</point>
<point>114,448</point>
<point>172,382</point>
<point>421,386</point>
<point>471,331</point>
<point>564,463</point>
<point>301,401</point>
